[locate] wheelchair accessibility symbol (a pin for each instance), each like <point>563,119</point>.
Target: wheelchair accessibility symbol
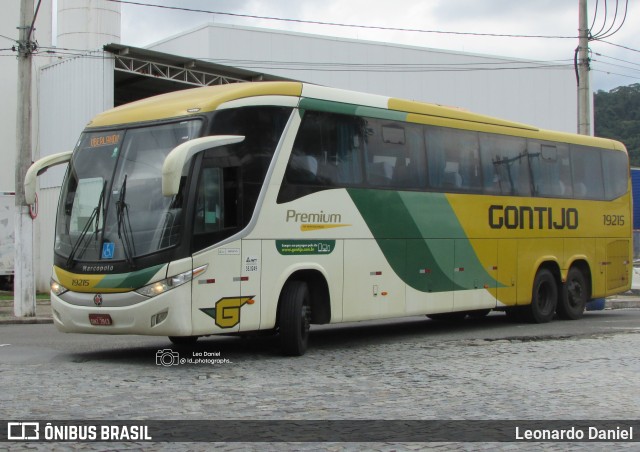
<point>108,250</point>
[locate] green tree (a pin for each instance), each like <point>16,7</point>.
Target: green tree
<point>617,116</point>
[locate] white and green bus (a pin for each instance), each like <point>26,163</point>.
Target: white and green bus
<point>274,206</point>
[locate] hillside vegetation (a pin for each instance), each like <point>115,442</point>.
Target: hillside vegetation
<point>617,116</point>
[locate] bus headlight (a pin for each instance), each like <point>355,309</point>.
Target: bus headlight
<point>57,288</point>
<point>172,282</point>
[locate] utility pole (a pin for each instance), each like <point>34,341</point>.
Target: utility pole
<point>584,91</point>
<point>24,297</point>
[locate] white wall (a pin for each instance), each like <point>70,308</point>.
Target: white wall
<point>542,97</point>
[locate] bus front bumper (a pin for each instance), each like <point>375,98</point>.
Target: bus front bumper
<point>168,314</point>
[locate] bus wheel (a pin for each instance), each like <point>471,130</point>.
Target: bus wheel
<point>295,318</point>
<point>183,341</point>
<point>574,296</point>
<point>544,298</point>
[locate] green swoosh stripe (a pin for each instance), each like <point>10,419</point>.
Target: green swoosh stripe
<point>420,231</point>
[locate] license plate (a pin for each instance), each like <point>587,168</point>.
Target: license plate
<point>100,319</point>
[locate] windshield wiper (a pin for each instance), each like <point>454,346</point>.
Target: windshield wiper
<point>125,233</point>
<point>95,215</point>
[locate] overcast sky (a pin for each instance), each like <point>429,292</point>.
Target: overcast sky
<point>612,66</point>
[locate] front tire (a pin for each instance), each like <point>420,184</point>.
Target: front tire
<point>544,298</point>
<point>575,294</point>
<point>294,318</point>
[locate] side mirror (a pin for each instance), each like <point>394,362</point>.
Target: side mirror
<point>175,160</point>
<point>39,168</point>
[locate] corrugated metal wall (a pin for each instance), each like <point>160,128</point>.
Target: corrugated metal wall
<point>532,93</point>
<point>71,93</point>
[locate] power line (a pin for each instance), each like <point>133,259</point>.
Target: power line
<point>7,37</point>
<point>606,34</point>
<point>616,59</point>
<point>604,22</point>
<point>335,24</point>
<point>616,74</point>
<point>33,22</point>
<point>618,45</point>
<point>617,65</point>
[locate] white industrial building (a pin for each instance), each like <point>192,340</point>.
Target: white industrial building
<point>70,91</point>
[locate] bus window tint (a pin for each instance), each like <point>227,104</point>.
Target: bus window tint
<point>209,202</point>
<point>616,173</point>
<point>550,169</point>
<point>394,155</point>
<point>326,154</point>
<point>453,159</point>
<point>505,166</point>
<point>262,128</point>
<point>587,173</point>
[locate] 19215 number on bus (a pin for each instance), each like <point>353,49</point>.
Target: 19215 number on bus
<point>613,220</point>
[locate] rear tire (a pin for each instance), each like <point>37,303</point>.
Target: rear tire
<point>294,318</point>
<point>544,298</point>
<point>575,294</point>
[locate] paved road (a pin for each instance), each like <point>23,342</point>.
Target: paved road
<point>409,369</point>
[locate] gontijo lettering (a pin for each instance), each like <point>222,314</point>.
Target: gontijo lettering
<point>525,217</point>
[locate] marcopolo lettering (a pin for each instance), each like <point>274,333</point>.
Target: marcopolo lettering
<point>526,217</point>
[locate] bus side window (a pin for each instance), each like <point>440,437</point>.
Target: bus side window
<point>550,169</point>
<point>615,165</point>
<point>505,166</point>
<point>454,163</point>
<point>326,154</point>
<point>587,172</point>
<point>395,155</point>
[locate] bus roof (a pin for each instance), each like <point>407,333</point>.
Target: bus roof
<point>201,100</point>
<point>191,101</point>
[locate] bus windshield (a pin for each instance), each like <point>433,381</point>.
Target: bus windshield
<point>111,205</point>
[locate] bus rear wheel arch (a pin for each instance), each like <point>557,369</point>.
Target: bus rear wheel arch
<point>575,293</point>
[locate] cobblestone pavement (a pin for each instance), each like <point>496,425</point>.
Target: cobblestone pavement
<point>404,377</point>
